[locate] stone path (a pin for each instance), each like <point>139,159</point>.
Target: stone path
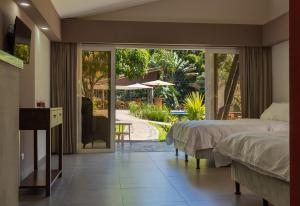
<point>144,146</point>
<point>140,129</point>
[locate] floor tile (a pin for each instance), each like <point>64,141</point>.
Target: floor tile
<point>140,179</point>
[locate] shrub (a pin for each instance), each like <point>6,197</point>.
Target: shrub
<point>149,111</point>
<point>133,108</point>
<point>194,106</point>
<point>169,95</point>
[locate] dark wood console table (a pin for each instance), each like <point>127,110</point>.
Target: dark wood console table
<point>43,119</point>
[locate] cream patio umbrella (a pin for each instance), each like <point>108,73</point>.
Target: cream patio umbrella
<point>158,83</point>
<point>137,86</point>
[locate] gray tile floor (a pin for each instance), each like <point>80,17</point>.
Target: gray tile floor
<point>140,179</point>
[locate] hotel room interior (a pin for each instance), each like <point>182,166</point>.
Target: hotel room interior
<point>214,162</point>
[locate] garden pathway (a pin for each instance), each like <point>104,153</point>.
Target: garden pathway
<point>140,129</point>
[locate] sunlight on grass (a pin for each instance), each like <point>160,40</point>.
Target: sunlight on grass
<point>162,131</point>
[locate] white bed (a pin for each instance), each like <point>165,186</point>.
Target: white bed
<point>198,138</point>
<point>260,162</point>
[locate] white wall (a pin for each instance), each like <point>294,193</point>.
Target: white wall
<point>42,80</point>
<point>280,62</point>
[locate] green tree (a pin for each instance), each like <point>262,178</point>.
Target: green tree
<point>165,60</point>
<point>188,75</point>
<point>132,63</point>
<point>95,66</point>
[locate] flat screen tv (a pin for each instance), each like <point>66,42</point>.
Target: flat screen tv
<point>22,40</point>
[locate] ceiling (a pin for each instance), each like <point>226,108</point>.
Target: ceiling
<point>190,11</point>
<point>78,8</point>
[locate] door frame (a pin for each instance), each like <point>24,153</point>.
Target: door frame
<point>294,46</point>
<point>97,47</point>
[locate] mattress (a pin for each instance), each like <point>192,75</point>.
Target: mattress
<point>266,153</point>
<point>193,136</point>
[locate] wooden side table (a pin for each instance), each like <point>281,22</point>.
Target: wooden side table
<point>43,119</point>
<point>121,130</point>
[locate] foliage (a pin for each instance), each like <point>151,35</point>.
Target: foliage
<point>133,108</point>
<point>194,106</point>
<point>224,63</point>
<point>172,119</point>
<point>169,94</point>
<point>149,111</point>
<point>95,66</point>
<point>165,60</point>
<point>188,76</point>
<point>162,131</point>
<point>22,51</point>
<point>133,63</point>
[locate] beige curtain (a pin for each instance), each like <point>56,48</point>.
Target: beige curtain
<point>63,89</point>
<point>256,80</point>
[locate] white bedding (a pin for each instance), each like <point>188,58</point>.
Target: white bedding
<point>267,153</point>
<point>206,134</point>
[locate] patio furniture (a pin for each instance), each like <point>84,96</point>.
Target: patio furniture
<point>121,126</point>
<point>86,121</point>
<point>179,113</point>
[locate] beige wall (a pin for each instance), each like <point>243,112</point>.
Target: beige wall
<point>280,61</point>
<point>128,32</point>
<point>34,78</point>
<point>276,31</point>
<point>42,79</point>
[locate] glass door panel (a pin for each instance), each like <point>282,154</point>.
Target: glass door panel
<point>227,86</point>
<point>96,101</point>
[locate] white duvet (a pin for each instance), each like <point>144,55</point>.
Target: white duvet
<point>267,153</point>
<point>194,136</point>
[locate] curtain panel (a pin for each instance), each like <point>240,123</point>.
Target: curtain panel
<point>63,90</point>
<point>256,80</point>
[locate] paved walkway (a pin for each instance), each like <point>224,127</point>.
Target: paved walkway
<point>140,129</point>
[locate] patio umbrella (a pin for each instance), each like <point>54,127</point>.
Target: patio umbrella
<point>136,87</point>
<point>133,87</point>
<point>158,83</point>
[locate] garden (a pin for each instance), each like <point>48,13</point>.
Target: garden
<point>182,71</point>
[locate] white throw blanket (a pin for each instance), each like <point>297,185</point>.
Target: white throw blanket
<point>194,136</point>
<point>267,153</point>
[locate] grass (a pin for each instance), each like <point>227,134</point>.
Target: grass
<point>162,131</point>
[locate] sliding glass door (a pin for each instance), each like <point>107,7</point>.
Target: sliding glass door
<point>97,99</point>
<point>223,97</point>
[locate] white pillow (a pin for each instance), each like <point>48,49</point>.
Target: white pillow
<point>277,111</point>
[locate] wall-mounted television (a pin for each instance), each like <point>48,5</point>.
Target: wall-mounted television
<point>22,41</point>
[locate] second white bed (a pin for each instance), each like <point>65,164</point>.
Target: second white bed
<point>192,136</point>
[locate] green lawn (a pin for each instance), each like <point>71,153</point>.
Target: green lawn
<point>162,131</point>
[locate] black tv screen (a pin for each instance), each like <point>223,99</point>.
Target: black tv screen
<point>22,40</point>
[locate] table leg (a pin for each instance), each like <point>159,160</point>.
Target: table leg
<point>129,133</point>
<point>122,134</point>
<point>60,139</point>
<point>237,188</point>
<point>35,151</point>
<point>48,162</point>
<point>186,157</point>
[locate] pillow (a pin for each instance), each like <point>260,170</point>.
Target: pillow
<point>277,111</point>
